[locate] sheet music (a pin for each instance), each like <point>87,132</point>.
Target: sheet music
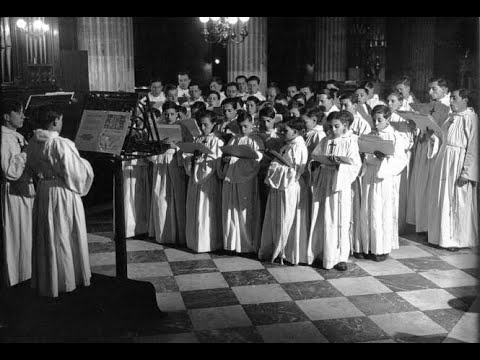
<point>172,132</point>
<point>371,143</point>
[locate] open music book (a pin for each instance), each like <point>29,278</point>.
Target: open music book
<point>172,132</point>
<point>371,143</point>
<point>325,159</point>
<point>240,151</point>
<point>278,157</point>
<point>422,121</point>
<point>191,147</point>
<point>192,126</point>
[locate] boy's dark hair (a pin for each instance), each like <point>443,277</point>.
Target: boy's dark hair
<point>295,124</point>
<point>310,86</point>
<point>350,95</point>
<point>405,80</point>
<point>310,112</point>
<point>280,97</point>
<point>169,105</point>
<point>281,109</point>
<point>231,101</point>
<point>241,77</point>
<point>182,109</point>
<point>206,113</point>
<point>267,112</point>
<point>8,105</point>
<point>344,116</point>
<point>47,115</point>
<point>217,79</point>
<point>232,83</point>
<point>214,92</point>
<point>382,109</point>
<point>198,105</point>
<point>254,78</point>
<point>156,79</point>
<point>242,115</point>
<point>299,95</point>
<point>169,87</point>
<point>440,81</point>
<point>254,99</point>
<point>397,94</point>
<point>184,73</point>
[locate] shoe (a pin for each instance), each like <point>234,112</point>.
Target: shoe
<point>379,258</point>
<point>359,255</point>
<point>341,266</point>
<point>452,249</point>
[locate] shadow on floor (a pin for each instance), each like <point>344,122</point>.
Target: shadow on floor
<point>109,310</point>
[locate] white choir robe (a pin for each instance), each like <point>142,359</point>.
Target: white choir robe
<point>285,227</point>
<point>137,190</point>
<point>204,198</point>
<point>17,193</point>
<point>240,199</point>
<point>453,215</point>
<point>359,127</point>
<point>330,228</point>
<point>312,139</point>
<point>374,101</point>
<point>379,204</point>
<point>167,210</point>
<point>400,125</point>
<point>60,259</point>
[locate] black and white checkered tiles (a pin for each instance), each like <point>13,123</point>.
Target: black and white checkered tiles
<point>420,294</point>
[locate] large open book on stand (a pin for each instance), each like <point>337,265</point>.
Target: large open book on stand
<point>240,151</point>
<point>371,143</point>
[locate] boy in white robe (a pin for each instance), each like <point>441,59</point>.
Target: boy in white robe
<point>60,258</point>
<point>395,101</point>
<point>453,215</point>
<point>204,207</point>
<point>379,203</point>
<point>240,195</point>
<point>17,194</point>
<point>425,151</point>
<point>167,213</point>
<point>329,238</point>
<point>403,87</point>
<point>285,228</point>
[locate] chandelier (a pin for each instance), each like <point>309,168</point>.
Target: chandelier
<point>35,27</point>
<point>222,30</point>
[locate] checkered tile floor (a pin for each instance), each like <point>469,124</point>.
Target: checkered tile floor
<point>420,294</point>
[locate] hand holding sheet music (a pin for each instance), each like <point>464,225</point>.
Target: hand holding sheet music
<point>190,148</point>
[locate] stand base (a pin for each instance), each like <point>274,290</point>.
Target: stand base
<point>110,309</point>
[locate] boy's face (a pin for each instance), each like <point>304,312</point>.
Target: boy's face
<point>266,123</point>
<point>253,87</point>
<point>213,100</point>
<point>251,107</point>
<point>246,127</point>
<point>15,119</point>
<point>156,88</point>
<point>183,81</point>
<point>242,85</point>
<point>325,101</point>
<point>231,92</point>
<point>404,90</point>
<point>195,92</point>
<point>336,128</point>
<point>309,122</point>
<point>457,103</point>
<point>289,133</point>
<point>206,125</point>
<point>214,86</point>
<point>172,95</point>
<point>171,116</point>
<point>348,105</point>
<point>436,92</point>
<point>307,92</point>
<point>393,103</point>
<point>229,111</point>
<point>362,96</point>
<point>271,93</point>
<point>379,121</point>
<point>292,91</point>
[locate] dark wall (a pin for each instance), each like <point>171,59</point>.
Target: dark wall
<point>165,46</point>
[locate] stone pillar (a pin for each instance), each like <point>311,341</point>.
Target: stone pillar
<point>418,52</point>
<point>330,48</point>
<point>109,42</point>
<point>250,57</point>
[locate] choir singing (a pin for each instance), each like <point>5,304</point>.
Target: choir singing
<point>300,177</point>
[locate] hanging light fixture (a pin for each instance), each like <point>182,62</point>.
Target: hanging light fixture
<point>224,30</point>
<point>36,27</point>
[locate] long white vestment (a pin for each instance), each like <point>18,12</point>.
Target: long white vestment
<point>331,224</point>
<point>379,204</point>
<point>204,199</point>
<point>285,228</point>
<point>453,215</point>
<point>18,194</point>
<point>60,260</point>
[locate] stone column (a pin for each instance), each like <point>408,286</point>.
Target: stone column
<point>418,52</point>
<point>330,48</point>
<point>109,42</point>
<point>250,57</point>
